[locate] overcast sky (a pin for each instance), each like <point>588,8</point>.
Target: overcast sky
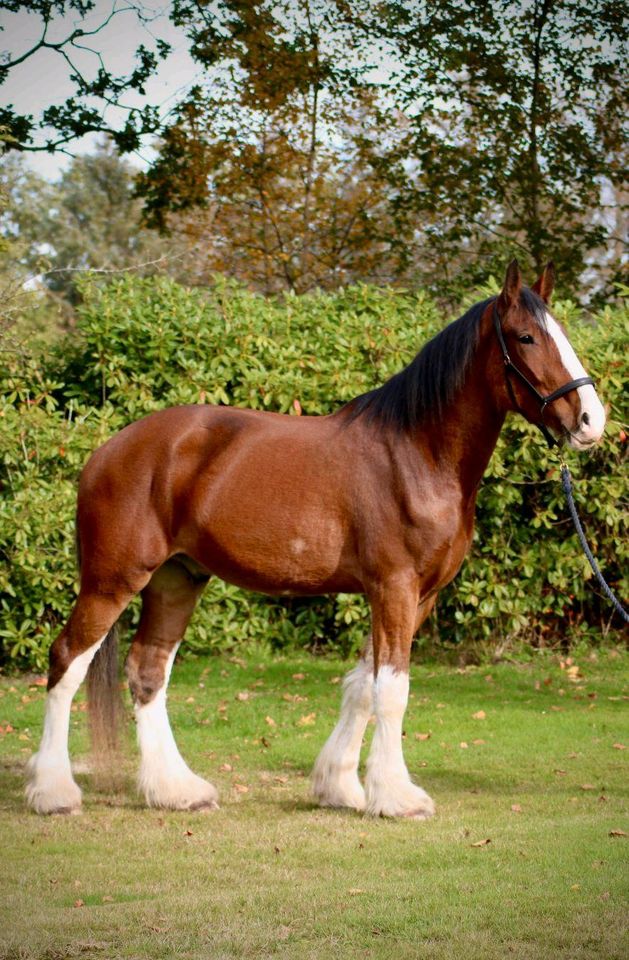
<point>43,79</point>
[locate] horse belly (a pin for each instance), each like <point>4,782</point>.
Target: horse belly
<point>273,538</point>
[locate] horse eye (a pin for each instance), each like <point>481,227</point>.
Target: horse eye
<point>527,338</point>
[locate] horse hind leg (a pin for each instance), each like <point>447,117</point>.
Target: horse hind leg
<point>168,602</point>
<point>335,780</point>
<point>50,784</point>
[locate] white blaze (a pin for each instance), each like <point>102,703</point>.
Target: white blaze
<point>590,404</point>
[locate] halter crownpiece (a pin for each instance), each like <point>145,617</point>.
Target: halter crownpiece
<point>510,368</point>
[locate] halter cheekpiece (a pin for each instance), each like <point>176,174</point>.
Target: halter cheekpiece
<point>510,368</point>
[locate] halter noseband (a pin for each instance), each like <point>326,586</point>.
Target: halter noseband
<point>510,368</point>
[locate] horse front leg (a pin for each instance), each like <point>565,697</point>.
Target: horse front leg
<point>389,790</point>
<point>335,780</point>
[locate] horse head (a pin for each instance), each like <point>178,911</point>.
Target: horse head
<point>544,379</point>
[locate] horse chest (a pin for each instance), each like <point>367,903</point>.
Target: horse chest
<point>438,535</point>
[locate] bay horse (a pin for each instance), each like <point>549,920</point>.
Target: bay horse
<point>376,498</point>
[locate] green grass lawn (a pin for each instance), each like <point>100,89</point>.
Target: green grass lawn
<point>528,757</point>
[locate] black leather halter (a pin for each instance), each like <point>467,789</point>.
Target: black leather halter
<point>543,401</point>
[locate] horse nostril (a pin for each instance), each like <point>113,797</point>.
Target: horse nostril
<point>585,418</point>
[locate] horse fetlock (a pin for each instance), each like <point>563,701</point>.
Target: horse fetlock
<point>50,791</point>
<point>185,791</point>
<point>397,797</point>
<point>334,785</point>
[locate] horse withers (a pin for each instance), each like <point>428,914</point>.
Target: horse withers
<point>376,498</point>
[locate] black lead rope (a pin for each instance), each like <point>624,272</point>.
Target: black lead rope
<point>567,486</point>
<point>510,368</point>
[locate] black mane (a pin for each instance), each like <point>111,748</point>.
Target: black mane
<point>428,384</point>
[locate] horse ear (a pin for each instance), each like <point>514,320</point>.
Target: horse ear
<point>546,283</point>
<point>513,284</point>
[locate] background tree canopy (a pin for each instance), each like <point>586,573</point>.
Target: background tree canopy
<point>335,140</point>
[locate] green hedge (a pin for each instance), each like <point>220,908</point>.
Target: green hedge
<point>142,344</point>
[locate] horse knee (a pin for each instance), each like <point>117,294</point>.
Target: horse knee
<point>145,675</point>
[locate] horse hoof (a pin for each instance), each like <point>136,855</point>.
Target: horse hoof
<point>204,806</point>
<point>419,815</point>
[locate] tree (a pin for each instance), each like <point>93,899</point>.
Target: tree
<point>514,119</point>
<point>275,149</point>
<point>61,124</point>
<point>333,139</point>
<point>88,219</point>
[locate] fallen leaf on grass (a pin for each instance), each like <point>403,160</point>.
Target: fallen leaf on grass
<point>422,736</point>
<point>226,768</point>
<point>108,899</point>
<point>188,833</point>
<point>307,720</point>
<point>481,843</point>
<point>478,743</point>
<point>241,788</point>
<point>479,715</point>
<point>79,903</point>
<point>271,722</point>
<point>335,679</point>
<point>463,745</point>
<point>617,833</point>
<point>619,746</point>
<point>574,675</point>
<point>516,808</point>
<point>243,695</point>
<point>355,891</point>
<point>588,786</point>
<point>299,676</point>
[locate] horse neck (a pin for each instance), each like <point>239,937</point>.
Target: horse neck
<point>465,435</point>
